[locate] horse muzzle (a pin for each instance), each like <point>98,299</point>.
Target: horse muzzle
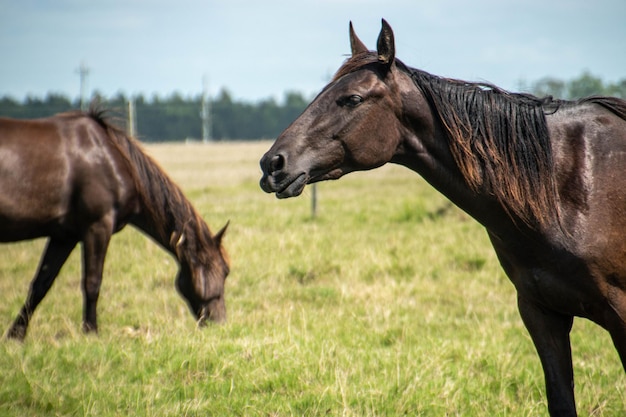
<point>276,179</point>
<point>214,311</point>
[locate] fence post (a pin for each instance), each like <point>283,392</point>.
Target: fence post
<point>313,201</point>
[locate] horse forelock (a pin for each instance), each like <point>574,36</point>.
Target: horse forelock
<point>355,63</point>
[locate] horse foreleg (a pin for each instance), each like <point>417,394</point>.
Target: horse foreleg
<point>616,323</point>
<point>618,334</point>
<point>550,334</point>
<point>95,244</point>
<point>55,255</point>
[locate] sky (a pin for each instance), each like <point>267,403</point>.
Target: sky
<point>262,49</point>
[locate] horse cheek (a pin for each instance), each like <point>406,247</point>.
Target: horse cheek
<point>373,151</point>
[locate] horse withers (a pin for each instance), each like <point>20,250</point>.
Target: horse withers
<point>75,177</point>
<point>545,178</point>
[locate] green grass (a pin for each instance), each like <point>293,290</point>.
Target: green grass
<point>391,302</point>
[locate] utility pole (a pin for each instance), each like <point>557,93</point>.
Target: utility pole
<point>205,112</point>
<point>132,118</point>
<point>83,72</point>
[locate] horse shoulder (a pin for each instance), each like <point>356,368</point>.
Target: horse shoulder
<point>102,178</point>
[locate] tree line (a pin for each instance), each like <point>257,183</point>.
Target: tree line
<point>583,86</point>
<point>177,118</point>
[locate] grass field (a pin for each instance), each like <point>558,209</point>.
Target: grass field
<point>391,302</point>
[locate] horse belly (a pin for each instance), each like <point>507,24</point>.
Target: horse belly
<point>34,197</point>
<point>28,219</point>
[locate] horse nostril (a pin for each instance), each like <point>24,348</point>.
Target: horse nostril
<point>277,163</point>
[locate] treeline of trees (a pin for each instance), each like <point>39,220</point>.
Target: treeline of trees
<point>584,85</point>
<point>176,118</point>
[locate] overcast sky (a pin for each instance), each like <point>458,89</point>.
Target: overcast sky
<point>262,48</point>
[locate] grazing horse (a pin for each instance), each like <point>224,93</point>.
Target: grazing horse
<point>545,177</point>
<point>75,177</point>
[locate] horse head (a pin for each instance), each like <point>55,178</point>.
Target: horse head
<point>204,266</point>
<point>352,125</point>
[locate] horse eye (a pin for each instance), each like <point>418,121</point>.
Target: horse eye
<point>351,101</point>
<point>355,100</point>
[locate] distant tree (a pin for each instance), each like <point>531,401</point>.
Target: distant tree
<point>265,119</point>
<point>118,100</point>
<point>34,107</point>
<point>223,116</point>
<point>295,103</point>
<point>617,89</point>
<point>9,107</point>
<point>585,85</point>
<point>549,86</point>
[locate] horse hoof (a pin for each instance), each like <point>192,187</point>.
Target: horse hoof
<point>90,328</point>
<point>17,333</point>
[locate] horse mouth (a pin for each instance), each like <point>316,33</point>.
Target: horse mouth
<point>293,188</point>
<point>214,311</point>
<point>332,174</point>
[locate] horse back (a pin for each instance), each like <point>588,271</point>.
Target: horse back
<point>589,147</point>
<point>57,173</point>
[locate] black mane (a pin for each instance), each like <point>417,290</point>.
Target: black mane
<point>499,140</point>
<point>161,198</point>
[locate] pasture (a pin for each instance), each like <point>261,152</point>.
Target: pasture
<point>390,302</point>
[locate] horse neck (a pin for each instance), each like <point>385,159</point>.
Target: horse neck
<point>169,218</point>
<point>165,214</point>
<point>166,229</point>
<point>437,167</point>
<point>486,149</point>
<point>425,150</point>
<point>445,178</point>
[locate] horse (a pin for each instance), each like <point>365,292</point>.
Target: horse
<point>77,177</point>
<point>543,176</point>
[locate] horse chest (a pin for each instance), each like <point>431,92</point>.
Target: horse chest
<point>566,292</point>
<point>559,281</point>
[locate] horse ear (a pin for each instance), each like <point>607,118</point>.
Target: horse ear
<point>220,235</point>
<point>386,45</point>
<point>355,43</point>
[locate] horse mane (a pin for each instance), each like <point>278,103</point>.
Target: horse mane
<point>499,140</point>
<point>615,105</point>
<point>160,197</point>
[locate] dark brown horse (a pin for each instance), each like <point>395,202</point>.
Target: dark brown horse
<point>76,178</point>
<point>545,177</point>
